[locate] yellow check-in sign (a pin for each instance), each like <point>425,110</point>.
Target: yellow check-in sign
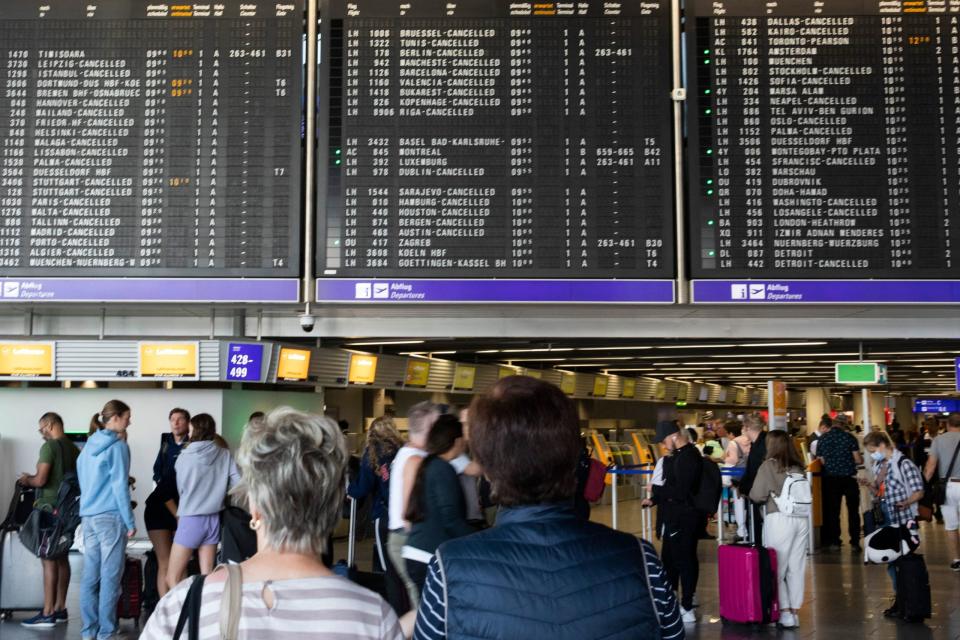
<point>363,369</point>
<point>168,360</point>
<point>293,364</point>
<point>26,359</point>
<point>418,373</point>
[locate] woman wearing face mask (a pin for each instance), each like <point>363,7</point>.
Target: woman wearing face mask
<point>897,487</point>
<point>437,509</point>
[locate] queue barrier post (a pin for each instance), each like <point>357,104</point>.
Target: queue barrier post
<point>810,542</point>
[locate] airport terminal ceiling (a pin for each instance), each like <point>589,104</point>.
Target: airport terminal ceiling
<point>915,367</point>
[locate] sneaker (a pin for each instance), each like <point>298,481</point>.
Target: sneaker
<point>688,616</point>
<point>40,621</point>
<point>788,620</point>
<point>893,611</point>
<point>61,617</point>
<point>955,565</point>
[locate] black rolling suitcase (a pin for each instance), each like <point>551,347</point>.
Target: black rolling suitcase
<point>348,569</point>
<point>913,588</point>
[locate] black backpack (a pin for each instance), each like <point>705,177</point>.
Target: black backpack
<point>707,496</point>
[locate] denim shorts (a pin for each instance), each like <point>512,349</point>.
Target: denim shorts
<point>194,532</point>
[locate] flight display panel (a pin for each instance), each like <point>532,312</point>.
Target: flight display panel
<point>150,139</point>
<point>496,139</point>
<point>823,138</point>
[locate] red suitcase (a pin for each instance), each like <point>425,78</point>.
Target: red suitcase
<point>748,584</point>
<point>130,604</point>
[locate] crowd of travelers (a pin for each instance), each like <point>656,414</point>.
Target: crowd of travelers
<point>539,569</point>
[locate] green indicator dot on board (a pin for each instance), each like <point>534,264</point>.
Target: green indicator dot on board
<point>709,152</point>
<point>711,253</point>
<point>709,223</point>
<point>706,92</point>
<point>708,111</point>
<point>706,52</point>
<point>707,61</point>
<point>337,162</point>
<point>337,152</point>
<point>709,192</point>
<point>710,181</point>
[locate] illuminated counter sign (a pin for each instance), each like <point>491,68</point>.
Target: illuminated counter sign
<point>169,360</point>
<point>418,373</point>
<point>363,369</point>
<point>600,384</point>
<point>244,361</point>
<point>293,364</point>
<point>464,378</point>
<point>568,383</point>
<point>629,388</point>
<point>27,360</point>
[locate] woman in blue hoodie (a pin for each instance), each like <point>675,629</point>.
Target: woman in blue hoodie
<point>103,469</point>
<point>205,472</point>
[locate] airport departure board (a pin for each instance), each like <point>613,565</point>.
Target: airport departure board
<point>487,138</point>
<point>823,138</point>
<point>142,138</point>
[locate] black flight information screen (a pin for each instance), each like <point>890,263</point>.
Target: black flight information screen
<point>479,138</point>
<point>823,138</point>
<point>150,139</point>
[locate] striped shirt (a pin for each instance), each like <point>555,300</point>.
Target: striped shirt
<point>331,608</point>
<point>432,615</point>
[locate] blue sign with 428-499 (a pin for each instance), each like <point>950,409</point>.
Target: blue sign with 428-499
<point>244,362</point>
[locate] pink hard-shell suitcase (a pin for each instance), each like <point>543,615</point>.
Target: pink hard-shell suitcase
<point>743,584</point>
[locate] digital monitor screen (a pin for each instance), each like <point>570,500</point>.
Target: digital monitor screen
<point>493,139</point>
<point>150,139</point>
<point>823,139</point>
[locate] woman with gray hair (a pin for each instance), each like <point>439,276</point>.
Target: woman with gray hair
<point>292,466</point>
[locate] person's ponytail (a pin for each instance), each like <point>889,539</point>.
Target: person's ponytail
<point>95,424</point>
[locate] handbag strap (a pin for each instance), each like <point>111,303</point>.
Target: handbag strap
<point>190,614</point>
<point>231,603</point>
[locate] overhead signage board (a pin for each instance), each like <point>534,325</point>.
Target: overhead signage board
<point>245,361</point>
<point>128,141</point>
<point>418,373</point>
<point>956,368</point>
<point>936,405</point>
<point>435,157</point>
<point>533,373</point>
<point>801,159</point>
<point>27,360</point>
<point>464,377</point>
<point>363,369</point>
<point>683,390</point>
<point>863,373</point>
<point>174,360</point>
<point>628,388</point>
<point>568,383</point>
<point>600,384</point>
<point>293,365</point>
<point>777,404</point>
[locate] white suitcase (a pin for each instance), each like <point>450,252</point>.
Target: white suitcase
<point>21,576</point>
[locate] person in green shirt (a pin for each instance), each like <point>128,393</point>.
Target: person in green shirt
<point>58,456</point>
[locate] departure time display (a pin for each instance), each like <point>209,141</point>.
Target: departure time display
<point>496,139</point>
<point>145,138</point>
<point>823,138</point>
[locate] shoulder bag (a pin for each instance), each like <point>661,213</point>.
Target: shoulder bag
<point>938,485</point>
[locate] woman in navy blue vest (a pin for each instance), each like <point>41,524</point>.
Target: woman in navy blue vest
<point>540,572</point>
